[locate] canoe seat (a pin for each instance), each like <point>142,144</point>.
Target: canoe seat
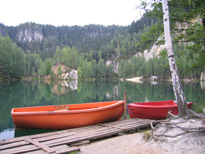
<point>61,108</point>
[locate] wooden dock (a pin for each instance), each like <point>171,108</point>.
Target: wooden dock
<point>59,142</point>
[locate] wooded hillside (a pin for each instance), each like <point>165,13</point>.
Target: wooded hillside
<point>96,50</point>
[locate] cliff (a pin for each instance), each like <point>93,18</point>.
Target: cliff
<point>43,39</point>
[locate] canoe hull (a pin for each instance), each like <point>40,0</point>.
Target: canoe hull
<point>64,119</point>
<point>153,110</point>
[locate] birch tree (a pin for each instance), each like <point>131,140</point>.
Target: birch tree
<point>179,95</point>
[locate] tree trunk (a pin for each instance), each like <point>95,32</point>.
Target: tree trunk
<point>179,95</point>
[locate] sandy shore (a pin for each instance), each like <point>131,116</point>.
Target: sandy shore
<point>136,143</point>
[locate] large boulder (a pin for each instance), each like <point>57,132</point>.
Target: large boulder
<point>66,72</point>
<point>202,78</point>
<point>74,74</point>
<point>63,68</point>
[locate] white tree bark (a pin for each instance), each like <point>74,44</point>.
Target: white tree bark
<point>179,95</point>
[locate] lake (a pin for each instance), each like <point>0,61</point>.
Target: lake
<point>37,93</point>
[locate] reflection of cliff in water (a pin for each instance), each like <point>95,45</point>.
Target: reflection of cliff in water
<point>64,86</point>
<point>112,94</point>
<point>202,83</point>
<point>153,82</point>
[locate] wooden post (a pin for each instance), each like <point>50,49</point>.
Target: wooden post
<point>125,105</point>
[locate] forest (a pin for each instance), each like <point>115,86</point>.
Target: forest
<point>30,49</point>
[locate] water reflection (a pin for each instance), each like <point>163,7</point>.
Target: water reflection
<point>25,132</point>
<point>7,134</point>
<point>73,85</point>
<point>202,83</point>
<point>154,82</point>
<point>22,94</point>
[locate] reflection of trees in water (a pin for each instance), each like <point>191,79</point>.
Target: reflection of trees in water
<point>147,91</point>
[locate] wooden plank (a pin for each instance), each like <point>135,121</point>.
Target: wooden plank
<point>19,149</point>
<point>71,135</point>
<point>116,127</point>
<point>85,137</point>
<point>52,137</point>
<point>59,149</point>
<point>40,145</point>
<point>13,144</point>
<point>60,132</point>
<point>91,134</point>
<point>39,151</point>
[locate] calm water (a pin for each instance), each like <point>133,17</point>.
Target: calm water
<point>25,93</point>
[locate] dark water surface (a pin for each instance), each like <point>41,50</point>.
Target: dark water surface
<point>25,93</point>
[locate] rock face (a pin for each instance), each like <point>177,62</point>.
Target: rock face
<point>202,78</point>
<point>66,72</point>
<point>74,74</point>
<point>154,51</point>
<point>115,65</point>
<point>29,34</point>
<point>153,78</point>
<point>63,68</point>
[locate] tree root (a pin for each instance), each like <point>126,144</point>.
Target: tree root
<point>197,115</point>
<point>173,128</point>
<point>172,115</point>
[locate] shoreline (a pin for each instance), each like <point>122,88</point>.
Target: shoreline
<point>146,141</point>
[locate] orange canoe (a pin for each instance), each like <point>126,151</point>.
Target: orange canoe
<point>67,116</point>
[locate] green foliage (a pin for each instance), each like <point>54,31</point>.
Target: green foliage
<point>149,37</point>
<point>51,73</point>
<point>187,26</point>
<point>137,66</point>
<point>46,66</point>
<point>85,39</point>
<point>59,70</point>
<point>33,64</point>
<point>12,59</point>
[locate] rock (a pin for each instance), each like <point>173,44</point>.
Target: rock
<point>63,68</point>
<point>29,34</point>
<point>66,76</point>
<point>202,78</point>
<point>114,63</point>
<point>74,74</point>
<point>154,51</point>
<point>153,78</point>
<point>136,79</point>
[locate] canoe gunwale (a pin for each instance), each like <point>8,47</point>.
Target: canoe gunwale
<point>54,112</point>
<point>142,105</point>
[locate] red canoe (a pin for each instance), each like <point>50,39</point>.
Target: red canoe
<point>67,116</point>
<point>153,110</point>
